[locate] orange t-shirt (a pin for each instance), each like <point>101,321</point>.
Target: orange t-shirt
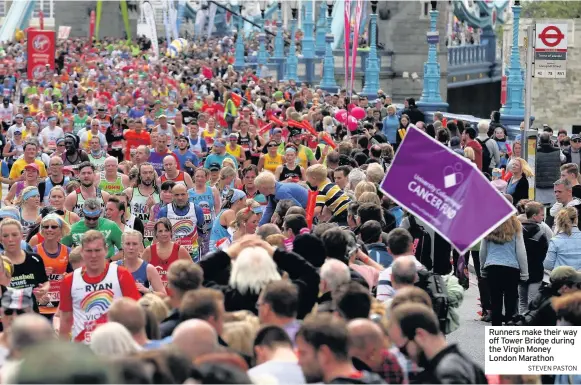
<point>56,268</point>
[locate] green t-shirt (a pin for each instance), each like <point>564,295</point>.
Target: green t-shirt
<point>110,230</point>
<point>79,123</point>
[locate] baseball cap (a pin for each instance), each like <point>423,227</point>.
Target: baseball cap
<point>277,131</point>
<point>214,167</point>
<point>575,136</point>
<point>295,131</point>
<point>68,169</point>
<point>32,166</point>
<point>565,274</point>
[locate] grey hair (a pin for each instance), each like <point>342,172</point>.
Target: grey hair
<point>483,126</point>
<point>355,176</point>
<point>113,340</point>
<point>403,270</point>
<point>565,182</point>
<point>253,270</point>
<point>92,204</point>
<point>28,330</point>
<point>147,149</point>
<point>335,274</point>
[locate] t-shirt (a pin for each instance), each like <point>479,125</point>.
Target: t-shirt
<point>30,273</point>
<point>126,282</point>
<point>283,372</point>
<point>134,140</point>
<point>18,168</point>
<point>110,230</point>
<point>50,136</point>
<point>215,158</point>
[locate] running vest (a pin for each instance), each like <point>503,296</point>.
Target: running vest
<point>111,187</point>
<point>218,232</point>
<point>58,264</point>
<point>288,173</point>
<point>236,152</point>
<point>49,185</point>
<point>139,275</point>
<point>91,302</point>
<point>185,230</point>
<point>205,201</point>
<point>178,179</point>
<point>162,265</point>
<point>99,163</point>
<point>271,163</point>
<point>78,209</point>
<point>138,209</point>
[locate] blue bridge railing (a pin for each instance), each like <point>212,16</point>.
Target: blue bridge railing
<point>466,54</point>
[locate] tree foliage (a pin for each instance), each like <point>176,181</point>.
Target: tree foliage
<point>535,9</point>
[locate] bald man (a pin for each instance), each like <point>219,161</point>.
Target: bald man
<point>195,337</point>
<point>130,314</point>
<point>403,272</point>
<point>171,172</point>
<point>368,351</point>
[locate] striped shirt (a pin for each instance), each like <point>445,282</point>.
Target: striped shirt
<point>333,197</point>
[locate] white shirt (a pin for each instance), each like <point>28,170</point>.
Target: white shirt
<point>50,136</point>
<point>385,290</point>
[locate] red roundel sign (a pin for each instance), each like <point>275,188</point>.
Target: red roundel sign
<point>551,36</point>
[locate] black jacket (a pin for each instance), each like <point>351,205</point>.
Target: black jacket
<point>415,114</point>
<point>521,191</point>
<point>540,311</point>
<point>302,274</point>
<point>536,245</point>
<point>451,366</point>
<point>362,377</point>
<point>168,325</point>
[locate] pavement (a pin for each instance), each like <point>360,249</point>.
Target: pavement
<point>470,334</point>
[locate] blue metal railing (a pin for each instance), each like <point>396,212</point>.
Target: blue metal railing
<point>466,54</point>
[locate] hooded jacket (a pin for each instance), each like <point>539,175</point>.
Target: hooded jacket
<point>451,366</point>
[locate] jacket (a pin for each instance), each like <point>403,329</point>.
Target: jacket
<point>297,193</point>
<point>536,245</point>
<point>378,252</point>
<point>511,254</point>
<point>521,190</point>
<point>564,250</point>
<point>302,274</point>
<point>451,366</point>
<point>390,126</point>
<point>415,114</point>
<point>540,311</point>
<point>548,166</point>
<point>168,325</point>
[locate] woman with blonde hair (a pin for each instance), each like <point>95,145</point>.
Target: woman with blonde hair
<point>29,203</point>
<point>56,199</point>
<point>503,262</point>
<point>246,221</point>
<point>369,197</point>
<point>469,154</point>
<point>113,340</point>
<point>518,184</point>
<point>364,187</point>
<point>239,335</point>
<point>227,181</point>
<point>565,246</point>
<point>55,257</point>
<point>391,124</point>
<point>156,305</point>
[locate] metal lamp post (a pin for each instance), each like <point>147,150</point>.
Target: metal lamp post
<point>321,33</point>
<point>239,54</point>
<point>431,99</point>
<point>262,54</point>
<point>513,111</point>
<point>328,82</point>
<point>292,62</point>
<point>278,56</point>
<point>308,42</point>
<point>372,64</point>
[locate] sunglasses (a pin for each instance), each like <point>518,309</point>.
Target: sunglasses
<point>92,219</point>
<point>272,145</point>
<point>54,227</point>
<point>59,145</point>
<point>576,141</point>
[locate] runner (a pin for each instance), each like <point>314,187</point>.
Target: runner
<point>111,180</point>
<point>172,173</point>
<point>55,178</point>
<point>87,293</point>
<point>89,189</point>
<point>97,154</point>
<point>143,197</point>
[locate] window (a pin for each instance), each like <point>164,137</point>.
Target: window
<point>425,11</point>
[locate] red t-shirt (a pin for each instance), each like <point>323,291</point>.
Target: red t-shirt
<point>126,282</point>
<point>477,152</point>
<point>134,140</point>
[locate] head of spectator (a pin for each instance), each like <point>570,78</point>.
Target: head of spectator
<point>400,243</point>
<point>205,304</point>
<point>352,301</point>
<point>333,275</point>
<point>194,338</point>
<point>570,171</point>
<point>311,248</point>
<point>278,303</point>
<point>130,314</point>
<point>375,173</point>
<point>183,276</point>
<point>565,279</point>
<point>113,340</point>
<point>568,309</point>
<point>403,272</point>
<point>341,176</point>
<point>267,229</point>
<point>294,225</point>
<point>252,270</point>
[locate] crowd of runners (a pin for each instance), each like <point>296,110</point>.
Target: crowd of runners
<point>174,220</point>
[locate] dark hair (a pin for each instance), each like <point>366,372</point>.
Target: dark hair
<point>412,316</point>
<point>344,169</point>
<point>283,298</point>
<point>201,304</point>
<point>363,141</point>
<point>471,132</point>
<point>311,248</point>
<point>545,138</point>
<point>352,301</point>
<point>360,158</point>
<point>443,135</point>
<point>295,223</point>
<point>168,185</point>
<point>272,336</point>
<point>370,231</point>
<point>399,241</point>
<point>375,151</point>
<point>335,241</point>
<point>29,143</point>
<point>321,228</point>
<point>183,276</point>
<point>324,329</point>
<point>333,157</point>
<point>82,165</point>
<point>430,130</point>
<point>453,128</point>
<point>370,211</point>
<point>219,373</point>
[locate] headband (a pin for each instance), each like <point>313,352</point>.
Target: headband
<point>92,214</point>
<point>29,194</point>
<point>291,150</point>
<point>53,217</point>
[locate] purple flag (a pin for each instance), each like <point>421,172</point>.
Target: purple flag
<point>445,190</point>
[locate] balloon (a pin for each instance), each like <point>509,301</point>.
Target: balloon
<point>341,116</point>
<point>352,123</point>
<point>358,113</point>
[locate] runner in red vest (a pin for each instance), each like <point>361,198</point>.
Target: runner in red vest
<point>88,292</point>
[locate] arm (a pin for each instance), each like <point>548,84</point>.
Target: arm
<point>71,200</point>
<point>496,154</point>
<point>521,256</point>
<point>549,262</point>
<point>483,254</point>
<point>66,324</point>
<point>217,200</point>
<point>277,172</point>
<point>125,179</point>
<point>10,196</point>
<point>6,151</point>
<point>188,180</point>
<point>155,281</point>
<point>146,255</point>
<point>183,254</point>
<point>369,261</point>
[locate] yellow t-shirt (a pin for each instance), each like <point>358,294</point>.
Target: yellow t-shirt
<point>234,152</point>
<point>18,168</point>
<point>271,163</point>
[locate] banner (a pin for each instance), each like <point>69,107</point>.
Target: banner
<point>91,27</point>
<point>211,18</point>
<point>41,20</point>
<point>40,51</point>
<point>347,28</point>
<point>149,16</point>
<point>165,16</point>
<point>358,11</point>
<point>445,190</point>
<point>64,32</point>
<point>311,204</point>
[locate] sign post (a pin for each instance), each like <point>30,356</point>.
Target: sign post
<point>551,50</point>
<point>529,40</point>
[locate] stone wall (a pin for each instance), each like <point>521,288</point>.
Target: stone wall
<point>554,101</point>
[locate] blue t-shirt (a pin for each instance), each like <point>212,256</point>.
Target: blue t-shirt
<point>185,157</point>
<point>215,158</point>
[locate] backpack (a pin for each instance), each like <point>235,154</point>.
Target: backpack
<point>422,243</point>
<point>486,155</point>
<point>435,286</point>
